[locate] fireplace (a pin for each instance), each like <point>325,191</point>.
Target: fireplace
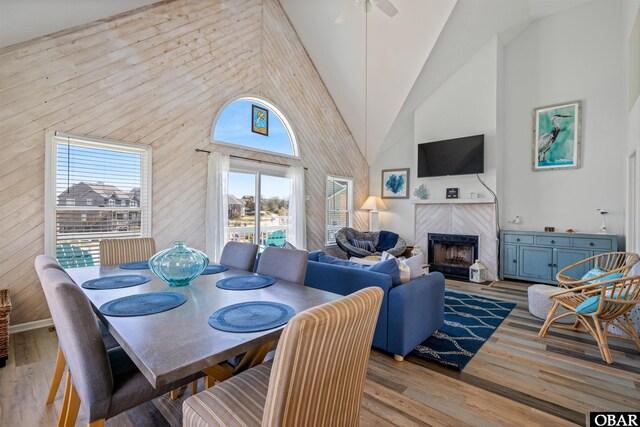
<point>452,254</point>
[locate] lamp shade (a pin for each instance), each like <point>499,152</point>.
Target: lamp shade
<point>373,203</point>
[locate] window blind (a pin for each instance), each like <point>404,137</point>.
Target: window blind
<point>101,192</point>
<point>339,206</point>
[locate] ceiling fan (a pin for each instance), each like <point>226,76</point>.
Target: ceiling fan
<point>384,5</point>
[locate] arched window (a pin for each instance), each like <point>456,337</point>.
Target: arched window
<point>254,123</point>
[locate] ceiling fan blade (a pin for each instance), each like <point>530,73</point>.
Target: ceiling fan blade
<point>343,15</point>
<point>387,7</point>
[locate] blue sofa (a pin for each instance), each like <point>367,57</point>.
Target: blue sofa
<point>410,313</point>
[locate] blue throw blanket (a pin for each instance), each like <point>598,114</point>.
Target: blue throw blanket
<point>386,241</point>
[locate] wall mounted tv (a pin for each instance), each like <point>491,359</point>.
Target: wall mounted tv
<point>459,156</point>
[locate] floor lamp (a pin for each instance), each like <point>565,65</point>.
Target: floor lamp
<point>374,205</point>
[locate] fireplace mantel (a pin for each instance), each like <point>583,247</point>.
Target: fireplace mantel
<point>450,201</point>
<point>475,217</point>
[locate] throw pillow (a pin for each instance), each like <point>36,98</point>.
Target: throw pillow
<point>590,305</point>
<point>389,267</point>
<point>596,271</point>
<point>366,245</point>
<point>328,259</point>
<point>386,240</point>
<point>415,266</point>
<point>405,270</point>
<point>315,255</point>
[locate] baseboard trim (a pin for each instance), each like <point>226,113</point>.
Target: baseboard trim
<point>23,327</point>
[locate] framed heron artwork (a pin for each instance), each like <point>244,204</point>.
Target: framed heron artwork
<point>259,120</point>
<point>557,136</point>
<point>395,183</point>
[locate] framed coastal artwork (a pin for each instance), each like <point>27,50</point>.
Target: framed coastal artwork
<point>259,120</point>
<point>557,136</point>
<point>395,183</point>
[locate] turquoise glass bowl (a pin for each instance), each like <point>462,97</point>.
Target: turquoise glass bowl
<point>178,265</point>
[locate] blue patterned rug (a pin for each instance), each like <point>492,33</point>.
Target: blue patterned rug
<point>469,321</point>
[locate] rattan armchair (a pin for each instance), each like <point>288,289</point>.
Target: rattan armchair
<point>610,263</point>
<point>616,299</point>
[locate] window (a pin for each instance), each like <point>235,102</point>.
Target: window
<point>339,206</point>
<point>258,204</point>
<point>234,126</point>
<point>89,170</point>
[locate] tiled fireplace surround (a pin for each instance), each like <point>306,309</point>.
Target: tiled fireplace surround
<point>476,217</point>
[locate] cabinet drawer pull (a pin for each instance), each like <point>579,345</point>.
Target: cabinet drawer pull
<point>514,261</point>
<point>553,242</point>
<point>555,265</point>
<point>592,244</point>
<point>518,239</point>
<point>549,265</point>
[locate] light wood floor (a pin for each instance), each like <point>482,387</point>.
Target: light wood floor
<point>515,379</point>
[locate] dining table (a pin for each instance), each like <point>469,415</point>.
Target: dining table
<point>174,344</point>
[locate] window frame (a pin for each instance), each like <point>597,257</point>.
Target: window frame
<point>257,169</point>
<point>52,139</point>
<point>271,106</point>
<point>349,209</point>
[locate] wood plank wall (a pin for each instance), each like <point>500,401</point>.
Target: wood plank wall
<point>158,76</point>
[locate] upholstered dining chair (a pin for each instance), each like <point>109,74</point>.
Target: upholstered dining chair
<point>609,263</point>
<point>316,378</point>
<point>120,251</point>
<point>42,263</point>
<point>596,306</point>
<point>284,264</point>
<point>104,382</point>
<point>240,255</point>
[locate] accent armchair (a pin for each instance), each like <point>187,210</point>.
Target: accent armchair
<point>346,235</point>
<point>596,306</point>
<point>610,263</point>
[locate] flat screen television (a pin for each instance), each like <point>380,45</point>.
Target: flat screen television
<point>459,156</point>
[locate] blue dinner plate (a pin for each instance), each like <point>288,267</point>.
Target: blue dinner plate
<point>116,282</point>
<point>136,265</point>
<point>251,316</point>
<point>245,283</point>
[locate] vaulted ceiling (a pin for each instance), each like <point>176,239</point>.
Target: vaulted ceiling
<point>395,50</point>
<point>400,69</point>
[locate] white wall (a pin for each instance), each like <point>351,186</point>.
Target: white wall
<point>631,51</point>
<point>573,55</point>
<point>464,105</point>
<point>22,20</point>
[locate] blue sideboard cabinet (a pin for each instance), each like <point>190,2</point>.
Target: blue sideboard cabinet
<point>538,256</point>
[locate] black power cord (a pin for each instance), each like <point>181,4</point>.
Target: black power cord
<point>495,201</point>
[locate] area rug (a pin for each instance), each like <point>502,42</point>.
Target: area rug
<point>469,321</point>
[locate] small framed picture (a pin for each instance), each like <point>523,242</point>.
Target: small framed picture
<point>452,193</point>
<point>557,136</point>
<point>395,184</point>
<point>259,120</point>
